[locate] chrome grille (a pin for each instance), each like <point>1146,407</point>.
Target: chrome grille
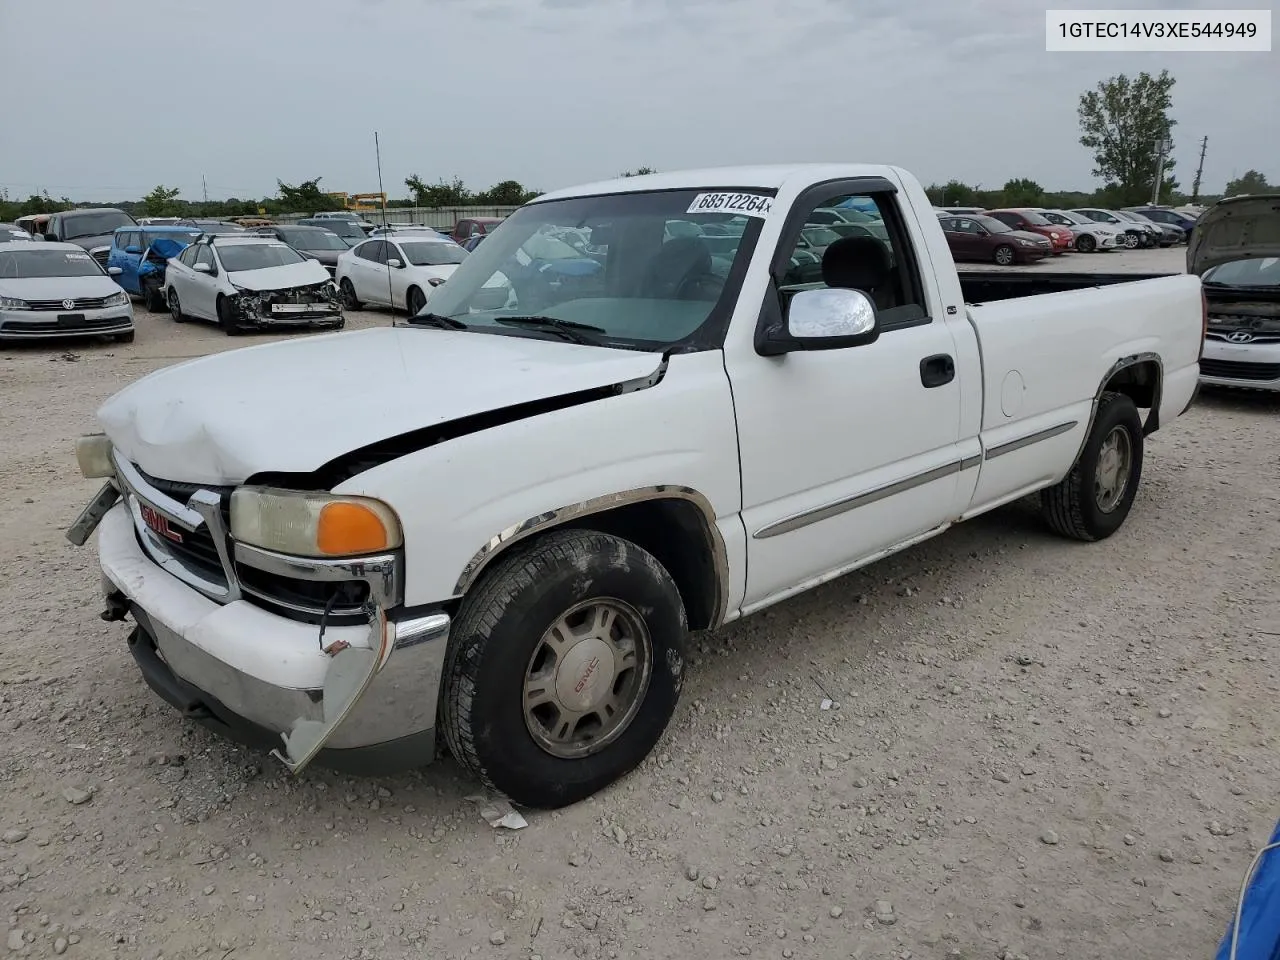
<point>79,303</point>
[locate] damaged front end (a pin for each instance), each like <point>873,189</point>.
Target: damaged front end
<point>317,304</point>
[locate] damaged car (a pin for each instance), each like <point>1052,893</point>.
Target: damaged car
<point>139,257</point>
<point>1235,250</point>
<point>244,282</point>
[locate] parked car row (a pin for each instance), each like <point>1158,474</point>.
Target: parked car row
<point>974,233</point>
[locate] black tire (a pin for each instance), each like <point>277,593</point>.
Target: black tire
<point>124,337</point>
<point>226,318</point>
<point>504,622</point>
<point>349,295</point>
<point>175,307</point>
<point>1085,243</point>
<point>1004,255</point>
<point>151,298</point>
<point>1075,507</point>
<point>414,300</point>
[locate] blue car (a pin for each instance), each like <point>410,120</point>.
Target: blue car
<point>1166,217</point>
<point>138,257</point>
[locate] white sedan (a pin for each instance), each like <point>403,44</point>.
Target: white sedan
<point>242,281</point>
<point>50,290</point>
<point>399,272</point>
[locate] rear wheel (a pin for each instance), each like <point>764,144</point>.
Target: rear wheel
<point>1094,499</point>
<point>175,307</point>
<point>1004,255</point>
<point>1086,244</point>
<point>126,337</point>
<point>151,298</point>
<point>564,667</point>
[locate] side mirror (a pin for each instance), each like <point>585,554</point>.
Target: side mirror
<point>983,232</point>
<point>133,248</point>
<point>202,268</point>
<point>395,262</point>
<point>114,271</point>
<point>51,237</point>
<point>826,319</point>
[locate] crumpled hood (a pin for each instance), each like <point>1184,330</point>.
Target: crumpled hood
<point>166,248</point>
<point>280,278</point>
<point>294,405</point>
<point>1238,228</point>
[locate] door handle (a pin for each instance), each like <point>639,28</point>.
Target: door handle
<point>937,370</point>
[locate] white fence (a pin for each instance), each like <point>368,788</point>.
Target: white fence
<point>438,217</point>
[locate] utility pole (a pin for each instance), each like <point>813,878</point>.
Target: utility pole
<point>1163,147</point>
<point>1195,184</point>
<point>205,184</point>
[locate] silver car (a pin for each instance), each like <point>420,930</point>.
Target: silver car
<point>55,290</point>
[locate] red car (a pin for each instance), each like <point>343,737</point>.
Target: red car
<point>980,237</point>
<point>464,230</point>
<point>1029,221</point>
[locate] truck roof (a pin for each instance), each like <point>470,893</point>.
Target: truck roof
<point>770,177</point>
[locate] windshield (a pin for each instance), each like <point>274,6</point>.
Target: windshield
<point>432,253</point>
<point>343,228</point>
<point>47,263</point>
<point>95,224</point>
<point>1060,216</point>
<point>257,256</point>
<point>639,286</point>
<point>312,240</point>
<point>183,237</point>
<point>992,224</point>
<point>1035,218</point>
<point>1261,272</point>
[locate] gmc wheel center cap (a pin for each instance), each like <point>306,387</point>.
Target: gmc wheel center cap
<point>585,675</point>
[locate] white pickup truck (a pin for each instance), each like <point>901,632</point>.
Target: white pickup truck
<point>639,408</point>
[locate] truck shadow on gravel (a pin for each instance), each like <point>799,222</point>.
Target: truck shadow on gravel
<point>1227,399</point>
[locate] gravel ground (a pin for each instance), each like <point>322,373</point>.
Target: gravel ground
<point>1038,748</point>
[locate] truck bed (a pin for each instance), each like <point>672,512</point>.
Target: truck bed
<point>987,286</point>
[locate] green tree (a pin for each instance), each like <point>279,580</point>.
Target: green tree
<point>508,193</point>
<point>1023,193</point>
<point>1123,121</point>
<point>639,172</point>
<point>306,197</point>
<point>439,194</point>
<point>1251,182</point>
<point>160,201</point>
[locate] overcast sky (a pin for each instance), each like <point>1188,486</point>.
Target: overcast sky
<point>105,100</point>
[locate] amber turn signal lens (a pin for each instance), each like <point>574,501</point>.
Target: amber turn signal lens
<point>346,528</point>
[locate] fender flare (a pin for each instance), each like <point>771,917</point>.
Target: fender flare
<point>550,519</point>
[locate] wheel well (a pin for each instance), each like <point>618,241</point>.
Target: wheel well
<point>676,533</point>
<point>1140,382</point>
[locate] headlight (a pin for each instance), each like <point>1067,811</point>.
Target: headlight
<point>1027,243</point>
<point>13,303</point>
<point>93,453</point>
<point>313,524</point>
<point>116,300</point>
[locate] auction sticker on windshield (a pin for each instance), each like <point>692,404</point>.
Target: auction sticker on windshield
<point>746,204</point>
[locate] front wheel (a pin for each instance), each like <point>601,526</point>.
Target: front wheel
<point>415,300</point>
<point>564,667</point>
<point>349,295</point>
<point>1094,499</point>
<point>1004,255</point>
<point>1131,241</point>
<point>175,307</point>
<point>227,318</point>
<point>151,298</point>
<point>1086,244</point>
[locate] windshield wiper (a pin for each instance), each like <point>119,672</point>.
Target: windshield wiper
<point>569,330</point>
<point>436,320</point>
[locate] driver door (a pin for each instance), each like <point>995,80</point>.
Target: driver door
<point>846,453</point>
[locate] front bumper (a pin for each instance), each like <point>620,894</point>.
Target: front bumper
<point>52,325</point>
<point>1245,366</point>
<point>255,676</point>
